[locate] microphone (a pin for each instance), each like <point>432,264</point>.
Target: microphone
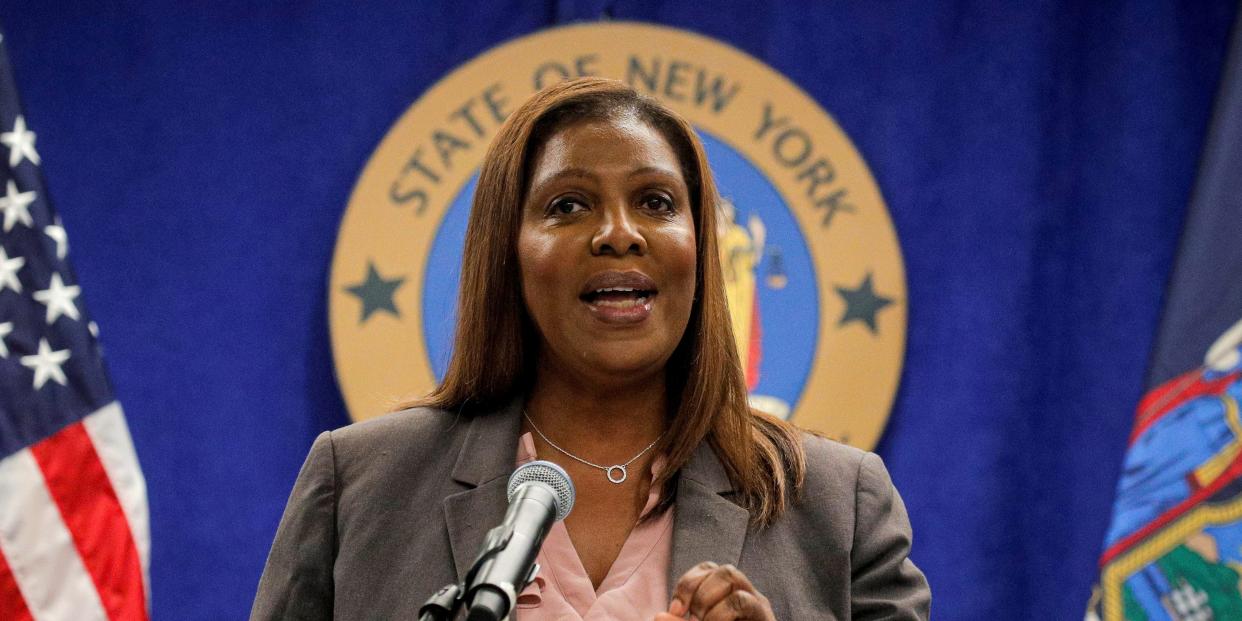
<point>540,493</point>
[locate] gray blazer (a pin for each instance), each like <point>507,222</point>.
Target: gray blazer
<point>387,511</point>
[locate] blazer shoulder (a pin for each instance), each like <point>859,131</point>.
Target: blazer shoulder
<point>412,431</point>
<point>835,472</point>
<point>829,459</point>
<point>844,469</point>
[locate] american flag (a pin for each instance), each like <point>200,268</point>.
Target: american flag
<point>74,532</point>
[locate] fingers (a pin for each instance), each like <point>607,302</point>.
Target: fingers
<point>718,592</point>
<point>686,587</point>
<point>735,605</point>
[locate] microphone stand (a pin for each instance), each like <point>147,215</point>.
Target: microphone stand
<point>445,604</point>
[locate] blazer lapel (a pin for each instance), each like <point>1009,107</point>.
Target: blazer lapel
<point>707,526</point>
<point>483,467</point>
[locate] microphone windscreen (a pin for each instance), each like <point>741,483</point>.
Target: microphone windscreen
<point>549,474</point>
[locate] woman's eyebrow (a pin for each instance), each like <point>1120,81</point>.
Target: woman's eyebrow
<point>589,175</point>
<point>575,173</point>
<point>658,170</point>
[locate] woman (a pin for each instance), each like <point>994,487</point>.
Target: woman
<point>593,332</point>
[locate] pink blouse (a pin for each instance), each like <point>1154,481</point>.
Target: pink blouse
<point>636,586</point>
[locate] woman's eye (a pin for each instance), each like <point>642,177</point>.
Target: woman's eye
<point>658,202</point>
<point>567,205</point>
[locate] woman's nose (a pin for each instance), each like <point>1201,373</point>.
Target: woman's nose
<point>618,233</point>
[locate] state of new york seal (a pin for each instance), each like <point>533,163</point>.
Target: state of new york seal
<point>814,274</point>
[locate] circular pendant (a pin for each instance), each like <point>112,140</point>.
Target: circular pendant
<point>620,479</point>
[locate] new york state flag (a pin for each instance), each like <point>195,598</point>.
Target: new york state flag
<point>1173,550</point>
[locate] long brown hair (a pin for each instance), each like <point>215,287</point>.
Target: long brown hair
<point>495,344</point>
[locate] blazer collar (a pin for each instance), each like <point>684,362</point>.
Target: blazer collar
<point>483,466</point>
<point>707,525</point>
<point>490,447</point>
<point>705,468</point>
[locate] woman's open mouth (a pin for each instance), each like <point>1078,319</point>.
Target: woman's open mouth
<point>619,297</point>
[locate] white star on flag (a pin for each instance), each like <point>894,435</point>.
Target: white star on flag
<point>57,233</point>
<point>5,329</point>
<point>16,206</point>
<point>59,299</point>
<point>20,142</point>
<point>8,271</point>
<point>46,364</point>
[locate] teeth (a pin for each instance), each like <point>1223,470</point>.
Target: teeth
<point>623,303</point>
<point>614,289</point>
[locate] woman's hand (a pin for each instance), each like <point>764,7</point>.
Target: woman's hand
<point>711,592</point>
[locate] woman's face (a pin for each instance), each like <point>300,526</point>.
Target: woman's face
<point>607,250</point>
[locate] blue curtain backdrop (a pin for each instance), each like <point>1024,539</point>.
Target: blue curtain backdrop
<point>1036,157</point>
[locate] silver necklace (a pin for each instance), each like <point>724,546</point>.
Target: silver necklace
<point>620,469</point>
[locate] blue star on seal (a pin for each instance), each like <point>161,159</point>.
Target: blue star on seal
<point>376,293</point>
<point>862,304</point>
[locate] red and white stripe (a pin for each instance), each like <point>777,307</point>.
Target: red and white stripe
<point>74,532</point>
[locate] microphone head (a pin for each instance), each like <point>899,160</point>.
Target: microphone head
<point>549,474</point>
